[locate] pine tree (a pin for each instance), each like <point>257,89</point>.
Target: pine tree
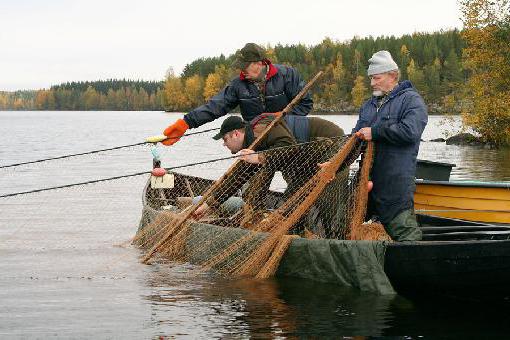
<point>452,69</point>
<point>433,80</point>
<point>404,61</point>
<point>416,77</point>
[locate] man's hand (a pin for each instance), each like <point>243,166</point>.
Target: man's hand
<point>365,133</point>
<point>201,211</point>
<point>249,156</point>
<point>323,167</point>
<point>175,131</point>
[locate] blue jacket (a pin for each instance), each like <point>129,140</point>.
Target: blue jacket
<point>283,83</point>
<point>396,131</point>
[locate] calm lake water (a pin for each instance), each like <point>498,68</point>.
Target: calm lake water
<point>67,269</point>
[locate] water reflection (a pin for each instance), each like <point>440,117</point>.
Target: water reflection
<point>284,307</point>
<point>61,273</point>
<point>216,307</point>
<point>472,163</point>
<point>263,308</point>
<point>479,163</point>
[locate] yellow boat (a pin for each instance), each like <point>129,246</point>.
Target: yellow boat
<point>466,200</point>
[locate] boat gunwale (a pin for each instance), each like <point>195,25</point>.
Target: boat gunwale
<point>435,242</point>
<point>500,185</point>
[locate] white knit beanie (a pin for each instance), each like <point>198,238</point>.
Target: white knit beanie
<point>381,62</point>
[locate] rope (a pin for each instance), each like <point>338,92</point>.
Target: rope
<point>98,151</point>
<point>112,178</point>
<point>144,172</point>
<point>74,184</point>
<point>271,265</point>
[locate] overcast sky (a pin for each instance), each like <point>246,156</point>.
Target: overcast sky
<point>52,41</point>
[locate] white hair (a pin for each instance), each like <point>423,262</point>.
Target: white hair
<point>397,71</point>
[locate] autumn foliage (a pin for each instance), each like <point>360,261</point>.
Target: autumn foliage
<point>487,57</point>
<point>432,61</point>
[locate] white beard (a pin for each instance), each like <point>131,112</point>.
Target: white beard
<point>378,93</point>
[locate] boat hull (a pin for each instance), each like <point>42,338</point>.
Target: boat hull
<point>470,268</point>
<point>456,257</point>
<point>473,201</point>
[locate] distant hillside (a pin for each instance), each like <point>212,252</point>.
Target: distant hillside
<point>432,61</point>
<point>90,95</point>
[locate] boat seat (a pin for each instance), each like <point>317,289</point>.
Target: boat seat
<point>451,229</point>
<point>463,236</point>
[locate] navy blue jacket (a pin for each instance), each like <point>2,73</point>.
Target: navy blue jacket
<point>396,131</point>
<point>282,85</point>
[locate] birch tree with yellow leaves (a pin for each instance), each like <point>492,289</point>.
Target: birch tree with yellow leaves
<point>215,81</point>
<point>487,58</point>
<point>359,91</point>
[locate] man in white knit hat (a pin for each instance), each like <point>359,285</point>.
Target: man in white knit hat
<point>394,118</point>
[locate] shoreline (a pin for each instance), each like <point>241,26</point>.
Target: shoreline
<point>315,113</point>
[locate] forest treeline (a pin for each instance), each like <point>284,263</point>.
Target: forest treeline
<point>432,61</point>
<point>90,95</point>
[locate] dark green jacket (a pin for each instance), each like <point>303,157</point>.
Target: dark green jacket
<point>300,128</point>
<point>295,173</point>
<point>322,128</point>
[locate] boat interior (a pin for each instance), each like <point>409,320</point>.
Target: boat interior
<point>434,228</point>
<point>448,229</point>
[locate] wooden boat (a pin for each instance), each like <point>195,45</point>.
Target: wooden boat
<point>473,201</point>
<point>455,257</point>
<point>436,195</point>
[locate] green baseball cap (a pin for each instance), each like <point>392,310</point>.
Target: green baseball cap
<point>250,53</point>
<point>230,124</point>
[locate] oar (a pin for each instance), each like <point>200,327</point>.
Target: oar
<point>216,184</point>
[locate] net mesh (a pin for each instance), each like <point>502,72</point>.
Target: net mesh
<point>238,226</point>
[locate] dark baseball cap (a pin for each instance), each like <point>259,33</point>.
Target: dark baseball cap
<point>250,53</point>
<point>230,124</point>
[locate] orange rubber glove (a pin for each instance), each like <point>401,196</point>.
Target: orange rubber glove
<point>274,114</point>
<point>175,131</point>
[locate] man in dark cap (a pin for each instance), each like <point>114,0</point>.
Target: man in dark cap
<point>261,87</point>
<point>237,135</point>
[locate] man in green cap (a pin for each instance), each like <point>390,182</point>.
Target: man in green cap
<point>261,87</point>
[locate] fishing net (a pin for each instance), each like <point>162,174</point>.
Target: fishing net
<point>242,223</point>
